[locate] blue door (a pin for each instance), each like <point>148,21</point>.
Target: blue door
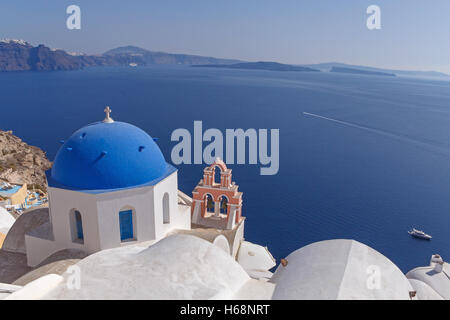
<point>126,225</point>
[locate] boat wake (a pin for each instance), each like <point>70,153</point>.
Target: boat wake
<point>428,145</point>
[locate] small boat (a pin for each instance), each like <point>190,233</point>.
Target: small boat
<point>419,234</point>
<point>133,64</point>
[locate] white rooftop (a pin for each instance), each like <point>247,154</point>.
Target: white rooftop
<point>339,269</point>
<point>439,282</point>
<point>177,267</point>
<point>424,291</point>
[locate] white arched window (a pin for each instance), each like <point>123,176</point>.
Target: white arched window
<point>166,208</point>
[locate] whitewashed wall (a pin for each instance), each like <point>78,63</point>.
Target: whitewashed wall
<point>100,218</point>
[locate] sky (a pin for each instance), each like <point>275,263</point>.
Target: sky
<point>414,34</point>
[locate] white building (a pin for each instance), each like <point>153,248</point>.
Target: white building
<point>431,282</point>
<point>109,186</point>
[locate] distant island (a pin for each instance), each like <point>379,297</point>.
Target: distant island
<point>261,65</point>
<point>19,55</point>
<point>327,66</point>
<point>358,71</point>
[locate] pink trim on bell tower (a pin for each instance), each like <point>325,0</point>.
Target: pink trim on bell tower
<point>217,204</point>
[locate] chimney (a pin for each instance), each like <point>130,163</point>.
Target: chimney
<point>438,263</point>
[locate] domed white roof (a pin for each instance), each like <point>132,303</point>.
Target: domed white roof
<point>177,267</point>
<point>339,269</point>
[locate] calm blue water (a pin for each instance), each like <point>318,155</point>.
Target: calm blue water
<point>371,181</point>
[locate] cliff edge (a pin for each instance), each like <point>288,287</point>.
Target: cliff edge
<point>21,163</point>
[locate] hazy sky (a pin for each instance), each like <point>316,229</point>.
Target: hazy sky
<point>414,35</point>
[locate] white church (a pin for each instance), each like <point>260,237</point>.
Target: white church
<point>109,186</point>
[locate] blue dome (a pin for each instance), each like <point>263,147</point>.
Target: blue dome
<point>108,156</point>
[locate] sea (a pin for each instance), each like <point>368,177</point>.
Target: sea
<point>360,157</point>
